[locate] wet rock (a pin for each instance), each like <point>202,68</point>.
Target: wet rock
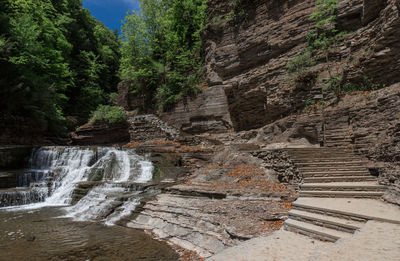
<point>16,197</point>
<point>14,157</point>
<point>30,238</point>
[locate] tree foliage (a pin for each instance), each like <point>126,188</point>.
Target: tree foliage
<point>109,115</point>
<point>55,60</point>
<point>161,49</point>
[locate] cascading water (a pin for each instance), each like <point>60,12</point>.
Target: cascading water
<point>63,168</point>
<point>117,191</point>
<point>55,172</point>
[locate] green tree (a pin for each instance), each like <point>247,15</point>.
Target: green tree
<point>162,49</point>
<point>36,59</point>
<point>55,60</point>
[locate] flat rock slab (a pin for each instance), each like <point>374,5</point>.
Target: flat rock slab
<point>375,241</point>
<point>280,246</point>
<point>206,225</point>
<point>375,209</point>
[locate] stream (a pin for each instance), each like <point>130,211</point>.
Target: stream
<point>38,220</point>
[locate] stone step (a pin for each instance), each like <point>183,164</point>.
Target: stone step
<point>340,126</point>
<point>357,148</point>
<point>314,231</point>
<point>337,142</point>
<point>310,149</point>
<point>361,146</point>
<point>338,145</point>
<point>325,159</point>
<point>339,157</point>
<point>332,168</point>
<point>323,156</point>
<point>336,173</point>
<point>341,194</point>
<point>330,212</point>
<point>336,134</point>
<point>339,179</point>
<point>341,153</point>
<point>332,163</point>
<point>330,133</point>
<point>320,151</point>
<point>338,138</point>
<point>350,208</point>
<point>336,223</point>
<point>317,151</point>
<point>346,186</point>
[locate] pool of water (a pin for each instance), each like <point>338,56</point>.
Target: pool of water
<point>40,234</point>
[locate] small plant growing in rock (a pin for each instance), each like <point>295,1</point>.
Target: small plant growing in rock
<point>108,114</point>
<point>334,83</point>
<point>300,64</point>
<point>366,84</point>
<point>238,13</point>
<point>324,40</point>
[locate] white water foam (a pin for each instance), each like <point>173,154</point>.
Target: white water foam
<point>124,211</point>
<point>67,166</point>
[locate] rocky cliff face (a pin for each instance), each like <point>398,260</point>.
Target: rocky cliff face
<point>246,62</point>
<point>100,134</point>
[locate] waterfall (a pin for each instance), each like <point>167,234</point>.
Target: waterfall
<point>55,172</point>
<point>65,167</point>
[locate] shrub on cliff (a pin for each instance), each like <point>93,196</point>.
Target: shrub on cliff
<point>300,64</point>
<point>110,115</point>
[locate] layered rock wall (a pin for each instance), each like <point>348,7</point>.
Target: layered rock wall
<point>208,112</point>
<point>249,59</point>
<point>246,81</point>
<point>100,134</point>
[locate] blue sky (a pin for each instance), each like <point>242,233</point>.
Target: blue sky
<point>110,12</point>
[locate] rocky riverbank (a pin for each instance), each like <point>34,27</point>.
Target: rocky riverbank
<point>239,186</point>
<point>224,201</point>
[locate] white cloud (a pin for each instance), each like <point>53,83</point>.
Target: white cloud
<point>132,3</point>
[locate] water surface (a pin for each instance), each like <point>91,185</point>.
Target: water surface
<point>39,234</point>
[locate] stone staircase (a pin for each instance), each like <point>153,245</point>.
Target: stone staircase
<point>332,173</point>
<point>337,135</point>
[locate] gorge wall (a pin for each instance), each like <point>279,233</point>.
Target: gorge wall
<point>248,85</point>
<point>246,76</point>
